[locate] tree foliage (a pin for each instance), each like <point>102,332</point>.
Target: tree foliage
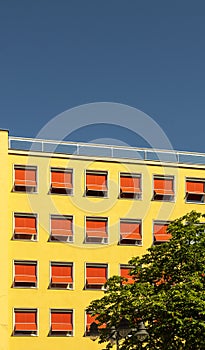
<point>168,293</point>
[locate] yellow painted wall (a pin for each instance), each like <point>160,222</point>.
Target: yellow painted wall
<point>44,204</point>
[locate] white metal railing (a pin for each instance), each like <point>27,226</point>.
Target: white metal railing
<point>100,150</point>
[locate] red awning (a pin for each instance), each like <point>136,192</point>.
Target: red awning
<point>25,225</point>
<point>132,236</point>
<point>96,275</point>
<point>61,226</point>
<point>61,274</point>
<point>61,185</point>
<point>61,232</point>
<point>130,230</point>
<point>90,320</point>
<point>61,179</point>
<point>95,187</point>
<point>163,186</point>
<point>25,327</point>
<point>97,234</point>
<point>96,228</point>
<point>25,278</point>
<point>124,272</point>
<point>25,177</point>
<point>58,327</point>
<point>162,237</point>
<point>95,280</point>
<point>25,231</point>
<point>126,189</point>
<point>25,273</point>
<point>96,182</point>
<point>25,321</point>
<point>61,279</point>
<point>61,321</point>
<point>129,184</point>
<point>161,191</point>
<point>195,187</point>
<point>160,232</point>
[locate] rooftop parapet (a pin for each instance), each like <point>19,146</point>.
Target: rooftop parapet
<point>105,151</point>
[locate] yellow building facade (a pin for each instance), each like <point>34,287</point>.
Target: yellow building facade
<point>72,215</point>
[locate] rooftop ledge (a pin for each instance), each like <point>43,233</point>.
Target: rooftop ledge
<point>105,151</point>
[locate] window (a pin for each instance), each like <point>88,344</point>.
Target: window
<point>96,230</point>
<point>61,181</point>
<point>25,178</point>
<point>163,188</point>
<point>96,184</point>
<point>125,272</point>
<point>25,274</point>
<point>130,186</point>
<point>61,228</point>
<point>130,232</point>
<point>61,322</point>
<point>25,323</point>
<point>160,232</point>
<point>61,275</point>
<point>96,276</point>
<point>195,190</point>
<point>89,320</point>
<point>25,226</point>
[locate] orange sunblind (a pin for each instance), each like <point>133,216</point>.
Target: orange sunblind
<point>96,228</point>
<point>61,179</point>
<point>130,184</point>
<point>25,273</point>
<point>25,321</point>
<point>61,321</point>
<point>195,187</point>
<point>96,275</point>
<point>25,177</point>
<point>61,226</point>
<point>160,233</point>
<point>96,182</point>
<point>124,272</point>
<point>61,274</point>
<point>130,230</point>
<point>25,225</point>
<point>163,186</point>
<point>90,319</point>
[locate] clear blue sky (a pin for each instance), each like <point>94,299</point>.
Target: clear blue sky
<point>55,55</point>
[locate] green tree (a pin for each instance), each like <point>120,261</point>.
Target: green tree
<point>168,294</point>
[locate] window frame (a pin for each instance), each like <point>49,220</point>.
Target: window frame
<point>159,222</point>
<point>133,195</point>
<point>25,262</point>
<point>66,191</point>
<point>29,333</point>
<point>25,167</point>
<point>70,285</point>
<point>138,243</point>
<point>70,239</point>
<point>94,286</point>
<point>33,238</point>
<point>87,333</point>
<point>163,197</point>
<point>62,333</point>
<point>105,194</point>
<point>104,240</point>
<point>126,266</point>
<point>193,179</point>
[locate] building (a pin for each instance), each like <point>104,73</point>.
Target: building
<point>73,215</point>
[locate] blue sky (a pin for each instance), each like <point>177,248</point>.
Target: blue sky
<point>55,55</point>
